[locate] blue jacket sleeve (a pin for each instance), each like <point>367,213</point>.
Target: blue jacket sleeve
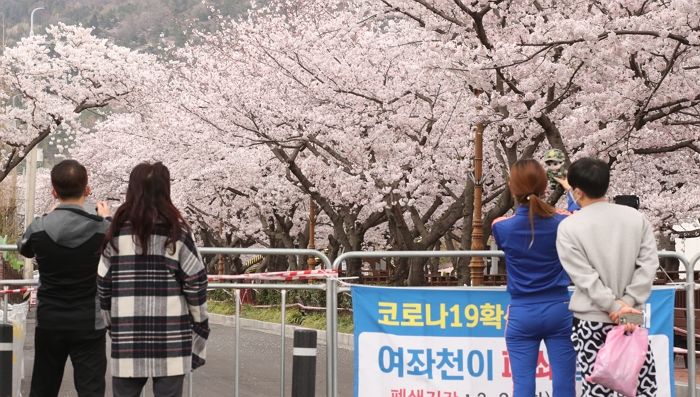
<point>571,205</point>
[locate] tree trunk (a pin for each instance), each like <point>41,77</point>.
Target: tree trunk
<point>333,248</point>
<point>400,275</point>
<point>236,266</point>
<point>670,265</point>
<point>432,265</point>
<point>354,265</point>
<point>462,268</point>
<point>276,263</point>
<point>416,274</point>
<point>301,242</point>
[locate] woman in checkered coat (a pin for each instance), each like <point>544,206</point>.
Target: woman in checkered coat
<point>152,288</point>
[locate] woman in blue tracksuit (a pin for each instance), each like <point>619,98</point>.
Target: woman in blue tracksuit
<point>537,284</point>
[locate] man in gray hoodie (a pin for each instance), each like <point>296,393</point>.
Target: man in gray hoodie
<point>609,252</point>
<point>66,244</point>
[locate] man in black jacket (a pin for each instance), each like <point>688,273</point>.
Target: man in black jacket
<point>66,243</point>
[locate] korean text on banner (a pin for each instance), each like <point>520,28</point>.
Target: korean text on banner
<point>418,342</point>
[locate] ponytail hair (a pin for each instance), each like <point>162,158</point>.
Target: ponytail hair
<point>528,182</point>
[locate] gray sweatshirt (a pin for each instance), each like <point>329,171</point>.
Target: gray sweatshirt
<point>609,251</point>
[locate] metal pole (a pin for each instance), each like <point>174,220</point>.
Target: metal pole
<point>237,295</point>
<point>690,304</point>
<point>311,261</point>
<point>331,351</point>
<point>5,306</point>
<point>248,286</point>
<point>334,355</point>
<point>29,195</point>
<point>189,383</point>
<point>30,175</point>
<point>331,331</point>
<point>283,325</point>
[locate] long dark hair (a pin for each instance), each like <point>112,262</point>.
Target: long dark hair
<point>528,182</point>
<point>148,203</point>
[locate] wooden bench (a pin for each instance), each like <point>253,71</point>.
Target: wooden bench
<point>440,280</point>
<point>495,279</point>
<point>375,277</point>
<point>680,331</point>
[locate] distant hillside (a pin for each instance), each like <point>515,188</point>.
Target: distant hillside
<point>132,23</point>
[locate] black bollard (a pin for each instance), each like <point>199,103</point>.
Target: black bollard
<point>5,360</point>
<point>304,363</point>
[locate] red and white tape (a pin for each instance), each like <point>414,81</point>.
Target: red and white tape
<point>269,276</point>
<point>279,276</point>
<point>15,291</point>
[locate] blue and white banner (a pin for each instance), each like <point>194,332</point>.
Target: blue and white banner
<point>448,342</point>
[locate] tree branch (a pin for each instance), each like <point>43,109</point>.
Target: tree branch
<point>440,13</point>
<point>689,144</point>
<point>602,36</point>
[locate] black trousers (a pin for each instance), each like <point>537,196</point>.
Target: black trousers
<point>86,350</point>
<point>164,386</point>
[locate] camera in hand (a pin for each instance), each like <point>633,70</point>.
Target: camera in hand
<point>629,200</point>
<point>632,318</point>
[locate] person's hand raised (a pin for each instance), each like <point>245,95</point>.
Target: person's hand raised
<point>102,209</point>
<point>564,183</point>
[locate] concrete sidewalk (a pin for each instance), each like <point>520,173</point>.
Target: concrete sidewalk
<point>259,364</point>
<point>345,341</point>
<point>681,375</point>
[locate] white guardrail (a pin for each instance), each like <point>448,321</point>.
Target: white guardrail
<point>332,289</point>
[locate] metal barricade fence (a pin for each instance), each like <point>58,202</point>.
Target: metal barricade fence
<point>689,286</point>
<point>332,289</point>
<point>331,311</point>
<point>692,358</point>
<point>387,254</point>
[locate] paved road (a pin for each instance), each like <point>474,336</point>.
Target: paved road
<point>259,372</point>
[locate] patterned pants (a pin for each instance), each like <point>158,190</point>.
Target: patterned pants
<point>588,337</point>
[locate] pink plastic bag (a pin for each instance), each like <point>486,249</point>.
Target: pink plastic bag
<point>619,361</point>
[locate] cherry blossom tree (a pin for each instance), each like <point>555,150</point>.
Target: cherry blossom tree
<point>57,77</point>
<point>368,108</point>
<point>616,80</point>
<point>344,104</point>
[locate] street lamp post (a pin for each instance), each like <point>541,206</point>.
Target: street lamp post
<point>31,21</point>
<point>311,261</point>
<point>30,175</point>
<point>3,33</point>
<point>476,264</point>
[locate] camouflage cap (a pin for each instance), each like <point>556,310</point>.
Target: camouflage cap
<point>554,154</point>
